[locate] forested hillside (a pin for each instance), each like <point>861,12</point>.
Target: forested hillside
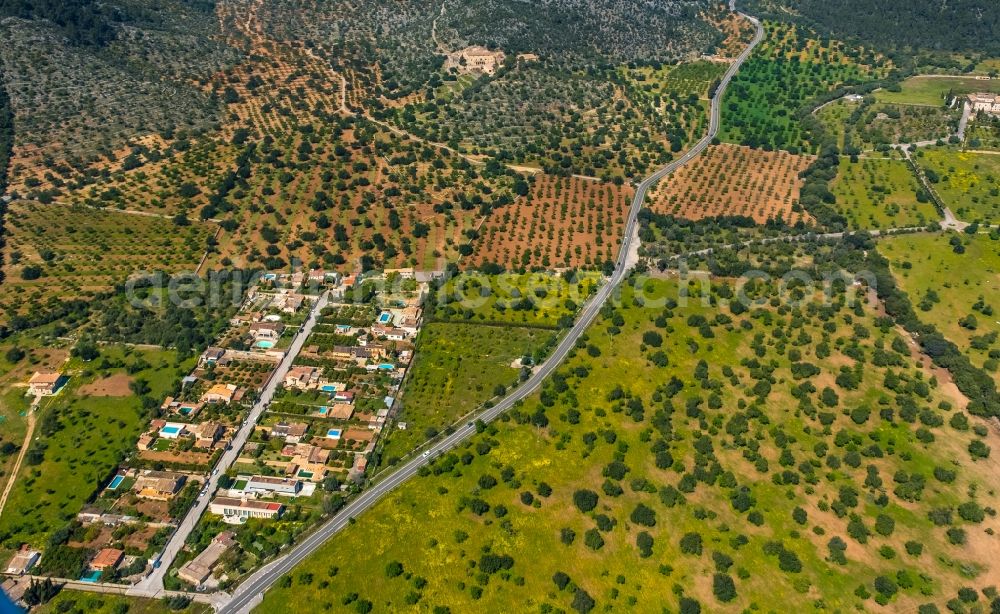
<point>958,25</point>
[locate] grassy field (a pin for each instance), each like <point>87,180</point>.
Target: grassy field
<point>79,602</point>
<point>458,367</point>
<point>946,286</point>
<point>880,193</point>
<point>968,183</point>
<point>527,299</point>
<point>931,91</point>
<point>739,461</point>
<point>79,440</point>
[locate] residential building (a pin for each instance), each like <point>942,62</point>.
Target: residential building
<point>267,484</point>
<point>158,485</point>
<point>291,432</point>
<point>340,411</point>
<point>239,510</point>
<point>44,383</point>
<point>212,355</point>
<point>267,330</point>
<point>108,558</point>
<point>302,377</point>
<point>23,561</point>
<point>199,569</point>
<point>146,441</point>
<point>391,333</point>
<point>221,393</point>
<point>207,433</point>
<point>987,103</point>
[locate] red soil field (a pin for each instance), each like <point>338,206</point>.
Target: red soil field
<point>562,222</point>
<point>734,180</point>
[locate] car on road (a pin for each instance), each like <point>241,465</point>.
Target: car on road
<point>427,453</point>
<point>215,472</point>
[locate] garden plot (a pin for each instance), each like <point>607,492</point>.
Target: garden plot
<point>730,180</point>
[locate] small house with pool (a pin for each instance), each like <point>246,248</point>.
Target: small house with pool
<point>269,331</point>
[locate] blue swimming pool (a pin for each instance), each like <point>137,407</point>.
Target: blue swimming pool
<point>328,388</point>
<point>343,327</point>
<point>91,576</point>
<point>264,344</point>
<point>385,317</point>
<point>333,434</point>
<point>270,276</point>
<point>385,366</point>
<point>115,483</point>
<point>170,430</point>
<point>321,410</point>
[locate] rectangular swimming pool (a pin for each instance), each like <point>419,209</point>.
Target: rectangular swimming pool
<point>333,434</point>
<point>116,482</point>
<point>170,430</point>
<point>328,388</point>
<point>91,576</point>
<point>385,317</point>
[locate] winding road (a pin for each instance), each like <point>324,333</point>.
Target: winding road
<point>251,591</point>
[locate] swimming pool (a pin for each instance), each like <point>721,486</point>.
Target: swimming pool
<point>385,366</point>
<point>91,576</point>
<point>264,344</point>
<point>115,483</point>
<point>321,410</point>
<point>305,474</point>
<point>170,430</point>
<point>385,317</point>
<point>343,327</point>
<point>328,388</point>
<point>333,434</point>
<point>270,276</point>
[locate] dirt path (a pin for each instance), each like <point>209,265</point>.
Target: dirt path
<point>20,457</point>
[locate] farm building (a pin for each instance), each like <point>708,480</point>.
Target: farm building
<point>44,383</point>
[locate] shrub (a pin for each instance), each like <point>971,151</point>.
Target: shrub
<point>643,515</point>
<point>394,569</point>
<point>560,579</point>
<point>585,500</point>
<point>567,535</point>
<point>691,544</point>
<point>582,602</point>
<point>723,587</point>
<point>592,538</point>
<point>644,541</point>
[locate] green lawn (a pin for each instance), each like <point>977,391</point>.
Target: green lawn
<point>945,286</point>
<point>744,471</point>
<point>931,91</point>
<point>458,367</point>
<point>968,183</point>
<point>880,193</point>
<point>82,439</point>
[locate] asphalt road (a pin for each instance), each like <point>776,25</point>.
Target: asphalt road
<point>152,585</point>
<point>249,593</point>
